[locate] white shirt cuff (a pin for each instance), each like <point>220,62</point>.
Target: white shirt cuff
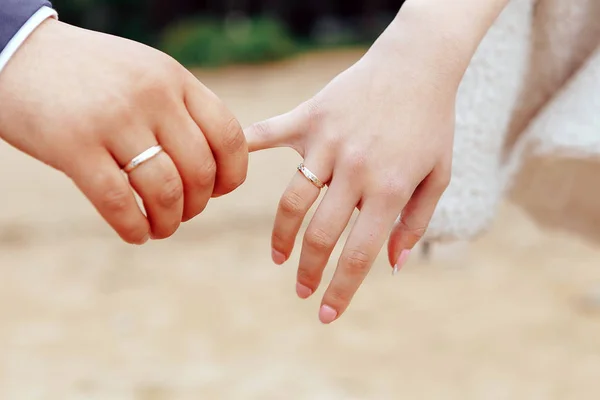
<point>11,48</point>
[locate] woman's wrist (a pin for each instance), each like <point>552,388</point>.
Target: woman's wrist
<point>440,37</point>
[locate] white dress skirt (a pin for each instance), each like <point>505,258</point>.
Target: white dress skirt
<point>528,123</point>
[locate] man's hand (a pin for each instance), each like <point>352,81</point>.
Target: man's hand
<point>87,103</point>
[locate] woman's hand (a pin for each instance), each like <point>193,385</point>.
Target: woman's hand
<point>88,103</point>
<point>380,136</point>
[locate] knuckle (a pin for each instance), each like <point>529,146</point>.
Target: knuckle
<point>205,175</point>
<point>233,139</point>
<point>279,241</point>
<point>171,191</point>
<point>356,263</point>
<point>172,68</point>
<point>413,233</point>
<point>115,197</point>
<point>319,240</point>
<point>308,277</point>
<point>355,160</point>
<point>394,189</point>
<point>291,204</point>
<point>338,297</point>
<point>332,139</point>
<point>262,129</point>
<point>152,85</point>
<point>160,85</point>
<point>232,183</point>
<point>314,111</point>
<point>416,233</point>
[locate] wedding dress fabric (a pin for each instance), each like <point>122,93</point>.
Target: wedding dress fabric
<point>529,105</point>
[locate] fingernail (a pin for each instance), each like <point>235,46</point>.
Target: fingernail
<point>278,258</point>
<point>327,314</point>
<point>302,291</point>
<point>144,240</point>
<point>401,261</point>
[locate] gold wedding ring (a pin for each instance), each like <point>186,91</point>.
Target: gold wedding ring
<point>310,176</point>
<point>142,158</point>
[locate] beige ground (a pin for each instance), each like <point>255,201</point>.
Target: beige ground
<point>206,315</point>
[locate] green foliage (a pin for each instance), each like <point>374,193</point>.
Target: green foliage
<point>213,43</point>
<point>126,18</point>
<point>202,40</point>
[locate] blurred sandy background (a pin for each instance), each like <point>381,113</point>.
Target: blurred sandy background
<point>206,315</point>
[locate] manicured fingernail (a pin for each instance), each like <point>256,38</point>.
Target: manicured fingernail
<point>401,261</point>
<point>278,258</point>
<point>302,291</point>
<point>327,314</point>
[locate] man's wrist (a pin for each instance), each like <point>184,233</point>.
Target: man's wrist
<point>24,32</point>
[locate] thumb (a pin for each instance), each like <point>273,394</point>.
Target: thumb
<point>285,130</point>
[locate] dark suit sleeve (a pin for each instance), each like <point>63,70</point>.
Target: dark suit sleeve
<point>14,14</point>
